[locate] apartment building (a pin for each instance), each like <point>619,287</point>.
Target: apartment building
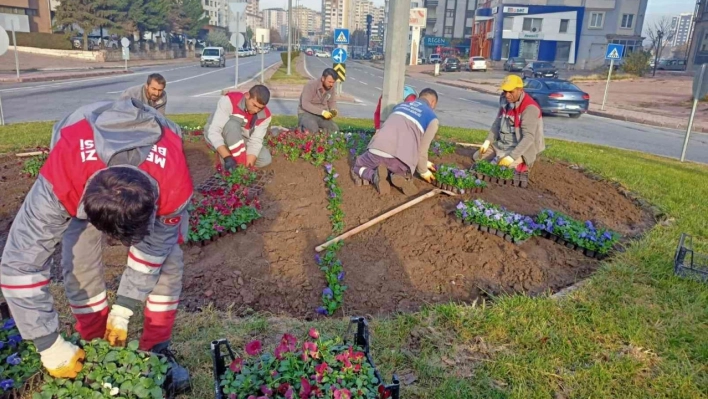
<point>276,18</point>
<point>698,53</point>
<point>26,15</point>
<point>681,29</point>
<point>563,31</point>
<point>307,20</point>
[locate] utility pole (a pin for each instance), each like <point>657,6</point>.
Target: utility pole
<point>290,32</point>
<point>395,55</point>
<point>659,34</point>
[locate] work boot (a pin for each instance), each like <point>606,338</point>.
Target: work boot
<point>381,180</point>
<point>358,181</point>
<point>177,376</point>
<point>404,184</point>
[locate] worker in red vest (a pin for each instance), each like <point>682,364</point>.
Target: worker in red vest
<point>409,95</point>
<point>516,137</point>
<point>115,168</point>
<point>237,128</point>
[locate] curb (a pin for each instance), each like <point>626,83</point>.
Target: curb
<point>61,77</point>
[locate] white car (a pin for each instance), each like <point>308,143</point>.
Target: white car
<point>323,54</point>
<point>478,64</point>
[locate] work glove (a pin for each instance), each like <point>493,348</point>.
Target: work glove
<point>117,325</point>
<point>334,113</point>
<point>431,167</point>
<point>428,176</point>
<point>326,114</point>
<point>229,163</point>
<point>63,359</point>
<point>506,161</point>
<point>484,147</point>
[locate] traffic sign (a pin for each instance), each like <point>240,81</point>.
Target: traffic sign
<point>614,52</point>
<point>339,55</point>
<point>341,36</point>
<point>700,84</point>
<point>125,53</point>
<point>341,70</point>
<point>4,41</point>
<point>125,42</point>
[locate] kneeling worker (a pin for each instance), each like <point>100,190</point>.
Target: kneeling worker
<point>318,104</point>
<point>151,93</point>
<point>238,126</point>
<point>516,137</point>
<point>401,147</point>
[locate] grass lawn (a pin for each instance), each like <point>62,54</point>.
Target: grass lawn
<point>281,75</point>
<point>634,331</point>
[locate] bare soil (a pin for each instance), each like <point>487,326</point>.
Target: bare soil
<point>417,257</point>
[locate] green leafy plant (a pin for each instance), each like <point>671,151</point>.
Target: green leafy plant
<point>322,368</point>
<point>316,148</point>
<point>241,175</point>
<point>636,63</point>
<point>519,227</point>
<point>459,178</point>
<point>110,372</point>
<point>583,234</point>
<point>491,169</point>
<point>32,165</point>
<point>19,359</point>
<point>441,147</point>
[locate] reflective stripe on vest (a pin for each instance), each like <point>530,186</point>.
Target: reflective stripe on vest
<point>251,120</point>
<point>517,111</point>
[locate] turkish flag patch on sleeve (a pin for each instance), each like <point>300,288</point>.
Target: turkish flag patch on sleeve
<point>172,221</point>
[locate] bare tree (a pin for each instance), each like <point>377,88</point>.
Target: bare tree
<point>661,28</point>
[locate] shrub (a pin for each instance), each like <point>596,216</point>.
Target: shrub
<point>636,63</point>
<point>284,56</point>
<point>55,41</point>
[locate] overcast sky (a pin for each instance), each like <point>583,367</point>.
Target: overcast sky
<point>656,7</point>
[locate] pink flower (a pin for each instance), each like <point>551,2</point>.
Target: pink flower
<point>342,394</point>
<point>266,391</point>
<point>236,365</point>
<point>357,368</point>
<point>284,387</point>
<point>306,388</point>
<point>253,348</point>
<point>279,350</point>
<point>289,393</point>
<point>290,341</point>
<point>321,368</point>
<point>314,334</point>
<point>311,348</point>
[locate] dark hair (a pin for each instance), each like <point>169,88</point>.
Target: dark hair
<point>428,92</point>
<point>260,93</point>
<point>120,202</point>
<point>157,78</point>
<point>329,72</point>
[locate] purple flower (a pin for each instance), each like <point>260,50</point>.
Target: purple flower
<point>498,216</point>
<point>607,235</point>
<point>340,276</point>
<point>13,359</point>
<point>336,175</point>
<point>478,182</point>
<point>465,214</point>
<point>478,203</point>
<point>461,206</point>
<point>328,167</point>
<point>7,384</point>
<point>2,344</point>
<point>14,340</point>
<point>549,213</point>
<point>321,310</point>
<point>9,324</point>
<point>352,151</point>
<point>560,221</point>
<point>332,194</point>
<point>327,292</point>
<point>488,213</point>
<point>318,259</point>
<point>330,142</point>
<point>589,225</point>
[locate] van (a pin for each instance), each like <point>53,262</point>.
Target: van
<point>213,56</point>
<point>674,64</point>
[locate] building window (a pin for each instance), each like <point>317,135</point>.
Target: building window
<point>469,14</point>
<point>448,30</point>
<point>468,31</point>
<point>508,23</point>
<point>597,20</point>
<point>564,26</point>
<point>627,21</point>
<point>532,24</point>
<point>563,51</point>
<point>450,13</point>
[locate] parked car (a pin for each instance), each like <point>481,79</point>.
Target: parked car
<point>556,96</point>
<point>539,69</point>
<point>450,64</point>
<point>322,54</point>
<point>674,64</point>
<point>242,52</point>
<point>477,63</point>
<point>434,59</point>
<point>213,56</point>
<point>309,51</point>
<point>515,64</point>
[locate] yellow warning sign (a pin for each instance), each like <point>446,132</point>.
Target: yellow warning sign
<point>341,70</point>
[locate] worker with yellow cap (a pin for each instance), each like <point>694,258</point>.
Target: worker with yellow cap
<point>516,136</point>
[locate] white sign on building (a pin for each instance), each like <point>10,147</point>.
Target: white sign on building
<point>418,17</point>
<point>516,10</point>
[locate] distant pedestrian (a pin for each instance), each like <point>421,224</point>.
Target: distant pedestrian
<point>151,93</point>
<point>318,104</point>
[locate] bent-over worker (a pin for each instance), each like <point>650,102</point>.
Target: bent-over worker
<point>151,93</point>
<point>115,168</point>
<point>237,128</point>
<point>516,137</point>
<point>408,96</point>
<point>318,104</point>
<point>400,148</point>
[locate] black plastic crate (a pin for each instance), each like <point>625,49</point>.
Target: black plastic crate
<point>222,359</point>
<point>688,263</point>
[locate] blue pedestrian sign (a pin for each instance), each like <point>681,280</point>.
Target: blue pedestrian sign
<point>614,52</point>
<point>339,55</point>
<point>341,36</point>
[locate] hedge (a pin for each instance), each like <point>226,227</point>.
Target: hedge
<point>55,41</point>
<point>284,56</point>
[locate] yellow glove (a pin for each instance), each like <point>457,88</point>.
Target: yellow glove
<point>506,161</point>
<point>484,147</point>
<point>326,114</point>
<point>117,325</point>
<point>334,113</point>
<point>431,166</point>
<point>63,359</point>
<point>428,176</point>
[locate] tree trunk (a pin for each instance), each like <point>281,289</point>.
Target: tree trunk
<point>85,40</point>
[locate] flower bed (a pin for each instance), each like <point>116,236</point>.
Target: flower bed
<point>192,133</point>
<point>19,360</point>
<point>459,181</point>
<point>493,219</point>
<point>313,148</point>
<point>583,236</point>
<point>319,367</point>
<point>493,173</point>
<point>110,372</point>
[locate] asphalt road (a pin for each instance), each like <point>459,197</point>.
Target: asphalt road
<point>192,89</point>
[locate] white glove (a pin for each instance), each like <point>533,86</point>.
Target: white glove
<point>63,359</point>
<point>117,325</point>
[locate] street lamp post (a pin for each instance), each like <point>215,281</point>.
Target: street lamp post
<point>659,35</point>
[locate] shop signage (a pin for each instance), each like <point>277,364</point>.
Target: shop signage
<point>432,41</point>
<point>531,35</point>
<point>516,10</point>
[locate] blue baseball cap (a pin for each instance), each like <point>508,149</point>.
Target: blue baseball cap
<point>407,91</point>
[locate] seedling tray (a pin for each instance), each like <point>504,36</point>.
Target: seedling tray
<point>254,190</point>
<point>456,190</point>
<point>222,355</point>
<point>688,263</point>
<point>562,241</point>
<point>492,231</point>
<point>519,180</point>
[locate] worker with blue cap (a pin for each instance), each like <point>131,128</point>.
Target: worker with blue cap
<point>409,95</point>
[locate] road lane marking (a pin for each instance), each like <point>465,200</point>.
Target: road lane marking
<point>242,83</point>
<point>364,83</point>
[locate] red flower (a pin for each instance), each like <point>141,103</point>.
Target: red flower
<point>284,387</point>
<point>253,348</point>
<point>357,368</point>
<point>279,350</point>
<point>355,355</point>
<point>306,388</point>
<point>311,349</point>
<point>320,149</point>
<point>383,392</point>
<point>314,334</point>
<point>290,341</point>
<point>321,368</point>
<point>342,394</point>
<point>236,365</point>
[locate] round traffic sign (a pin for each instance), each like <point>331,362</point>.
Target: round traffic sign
<point>4,41</point>
<point>241,40</point>
<point>125,42</point>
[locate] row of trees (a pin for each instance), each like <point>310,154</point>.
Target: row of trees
<point>129,16</point>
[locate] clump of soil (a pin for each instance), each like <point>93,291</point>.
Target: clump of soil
<point>419,256</point>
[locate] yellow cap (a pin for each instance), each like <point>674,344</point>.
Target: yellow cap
<point>512,82</point>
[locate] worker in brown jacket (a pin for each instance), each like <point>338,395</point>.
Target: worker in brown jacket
<point>516,137</point>
<point>400,147</point>
<point>318,104</point>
